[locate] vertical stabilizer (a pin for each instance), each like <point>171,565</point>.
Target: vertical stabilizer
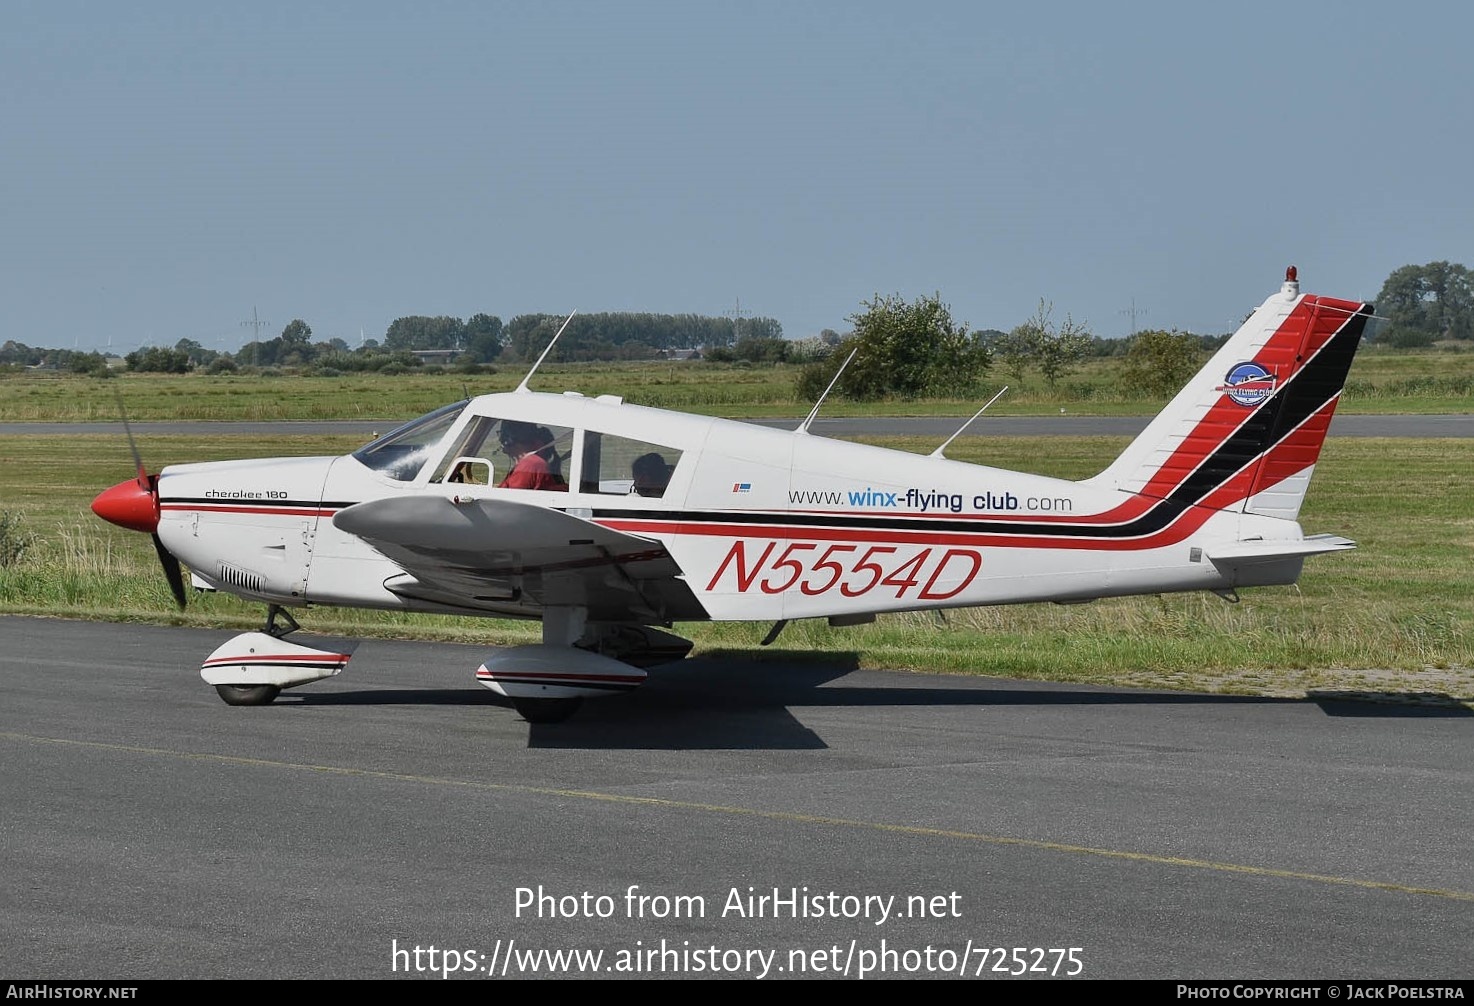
<point>1245,433</point>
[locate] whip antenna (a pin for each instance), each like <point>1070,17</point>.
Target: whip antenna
<point>523,385</point>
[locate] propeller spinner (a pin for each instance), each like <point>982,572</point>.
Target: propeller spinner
<point>134,504</point>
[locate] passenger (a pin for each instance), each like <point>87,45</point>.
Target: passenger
<point>651,474</point>
<point>534,458</point>
<point>544,438</point>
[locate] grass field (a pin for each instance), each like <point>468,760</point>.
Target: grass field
<point>1394,616</point>
<point>1433,381</point>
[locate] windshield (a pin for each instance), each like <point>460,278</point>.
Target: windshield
<point>401,453</point>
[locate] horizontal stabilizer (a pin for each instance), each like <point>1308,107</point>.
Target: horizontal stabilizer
<point>1241,553</point>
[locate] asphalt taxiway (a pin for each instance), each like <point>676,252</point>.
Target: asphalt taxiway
<point>151,831</point>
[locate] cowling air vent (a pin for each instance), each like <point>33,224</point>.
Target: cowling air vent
<point>240,578</point>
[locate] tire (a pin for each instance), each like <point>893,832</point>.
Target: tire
<point>546,710</point>
<point>248,695</point>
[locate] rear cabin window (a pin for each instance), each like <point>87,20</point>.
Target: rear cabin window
<point>619,466</point>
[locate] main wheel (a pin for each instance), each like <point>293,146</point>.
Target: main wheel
<point>546,710</point>
<point>248,695</point>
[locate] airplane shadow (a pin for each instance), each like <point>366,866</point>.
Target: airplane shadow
<point>471,696</point>
<point>730,701</point>
<point>1373,704</point>
<point>735,700</point>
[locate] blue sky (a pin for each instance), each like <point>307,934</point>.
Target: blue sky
<point>169,167</point>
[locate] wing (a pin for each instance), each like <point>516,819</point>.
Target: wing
<point>518,558</point>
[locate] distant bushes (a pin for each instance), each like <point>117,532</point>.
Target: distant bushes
<point>1425,386</point>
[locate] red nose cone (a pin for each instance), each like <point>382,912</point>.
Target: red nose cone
<point>129,505</point>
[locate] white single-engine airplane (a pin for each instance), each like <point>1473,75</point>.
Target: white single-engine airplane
<point>604,519</point>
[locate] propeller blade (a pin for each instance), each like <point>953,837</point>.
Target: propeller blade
<point>132,444</point>
<point>127,508</point>
<point>173,572</point>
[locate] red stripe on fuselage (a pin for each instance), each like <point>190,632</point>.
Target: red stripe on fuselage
<point>279,510</point>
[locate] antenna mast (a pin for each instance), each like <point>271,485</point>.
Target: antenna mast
<point>539,363</point>
<point>803,427</point>
<point>938,452</point>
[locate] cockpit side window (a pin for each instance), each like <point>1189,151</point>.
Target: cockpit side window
<point>511,453</point>
<point>401,453</point>
<point>537,455</point>
<point>620,466</point>
<point>477,442</point>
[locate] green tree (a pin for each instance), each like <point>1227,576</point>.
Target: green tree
<point>198,355</point>
<point>296,335</point>
<point>159,360</point>
<point>19,353</point>
<point>1014,351</point>
<point>528,334</point>
<point>259,354</point>
<point>1436,300</point>
<point>761,349</point>
<point>906,350</point>
<point>421,332</point>
<point>1159,362</point>
<point>1053,350</point>
<point>483,337</point>
<point>91,364</point>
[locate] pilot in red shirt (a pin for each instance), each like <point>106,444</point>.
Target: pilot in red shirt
<point>531,450</point>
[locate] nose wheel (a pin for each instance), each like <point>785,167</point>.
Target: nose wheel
<point>252,669</point>
<point>248,695</point>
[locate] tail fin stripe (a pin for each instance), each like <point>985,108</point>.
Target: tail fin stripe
<point>1304,416</point>
<point>1224,421</point>
<point>1316,384</point>
<point>1228,437</point>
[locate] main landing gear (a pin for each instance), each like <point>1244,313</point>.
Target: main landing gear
<point>548,681</point>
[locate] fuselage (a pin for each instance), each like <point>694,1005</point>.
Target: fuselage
<point>764,524</point>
